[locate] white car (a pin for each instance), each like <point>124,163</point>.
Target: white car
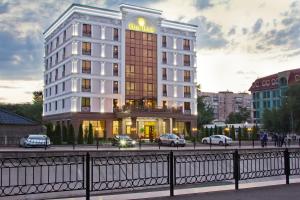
<point>35,141</point>
<point>217,139</point>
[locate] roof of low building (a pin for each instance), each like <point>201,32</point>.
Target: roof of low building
<point>10,118</point>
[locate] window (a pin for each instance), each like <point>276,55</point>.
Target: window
<point>187,106</point>
<point>56,58</point>
<point>55,105</point>
<point>149,53</point>
<point>132,34</point>
<point>115,103</point>
<point>187,76</point>
<point>164,104</point>
<point>187,91</point>
<point>46,107</point>
<point>87,30</point>
<point>86,66</point>
<point>164,73</point>
<point>56,89</point>
<point>164,57</point>
<point>115,69</point>
<point>65,36</point>
<point>50,61</point>
<point>63,71</point>
<point>63,86</point>
<point>186,61</point>
<point>56,74</point>
<point>86,48</point>
<point>132,51</point>
<point>63,104</point>
<point>116,52</point>
<point>49,106</point>
<point>115,87</point>
<point>85,104</point>
<point>164,90</point>
<point>116,34</point>
<point>50,91</point>
<point>86,85</point>
<point>51,46</point>
<point>57,42</point>
<point>164,41</point>
<point>186,44</point>
<point>64,53</point>
<point>149,37</point>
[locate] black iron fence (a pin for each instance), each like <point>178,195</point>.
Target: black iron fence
<point>129,171</point>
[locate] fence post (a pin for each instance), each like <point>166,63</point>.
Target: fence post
<point>236,168</point>
<point>171,174</point>
<point>287,165</point>
<point>87,170</point>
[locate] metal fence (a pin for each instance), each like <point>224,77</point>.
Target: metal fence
<point>91,174</point>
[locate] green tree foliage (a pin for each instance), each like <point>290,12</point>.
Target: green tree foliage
<point>238,117</point>
<point>254,132</point>
<point>85,136</point>
<point>232,132</point>
<point>239,133</point>
<point>64,133</point>
<point>90,138</point>
<point>57,134</point>
<point>71,134</point>
<point>245,134</point>
<point>220,130</point>
<point>206,132</point>
<point>215,130</point>
<point>80,135</point>
<point>49,131</point>
<point>211,131</point>
<point>205,113</point>
<point>32,110</point>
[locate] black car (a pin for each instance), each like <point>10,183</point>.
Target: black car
<point>123,141</point>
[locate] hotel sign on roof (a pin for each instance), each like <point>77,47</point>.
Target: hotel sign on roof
<point>141,25</point>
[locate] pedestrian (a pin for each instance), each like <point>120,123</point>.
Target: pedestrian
<point>265,139</point>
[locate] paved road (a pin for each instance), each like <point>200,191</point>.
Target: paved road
<point>279,192</point>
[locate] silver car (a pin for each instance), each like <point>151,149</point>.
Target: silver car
<point>217,139</point>
<point>35,141</point>
<point>171,139</point>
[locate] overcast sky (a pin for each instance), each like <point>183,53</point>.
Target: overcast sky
<point>238,40</point>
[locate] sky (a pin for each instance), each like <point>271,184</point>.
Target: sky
<point>237,40</point>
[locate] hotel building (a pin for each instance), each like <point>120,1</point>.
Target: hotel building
<point>128,71</point>
<point>267,92</point>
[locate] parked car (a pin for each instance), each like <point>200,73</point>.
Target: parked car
<point>217,139</point>
<point>171,139</point>
<point>35,141</point>
<point>123,141</point>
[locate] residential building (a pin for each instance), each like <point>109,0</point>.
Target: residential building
<point>267,92</point>
<point>127,71</point>
<point>13,127</point>
<point>226,102</point>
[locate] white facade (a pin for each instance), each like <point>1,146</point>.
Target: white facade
<point>64,57</point>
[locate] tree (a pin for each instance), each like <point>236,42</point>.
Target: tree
<point>49,131</point>
<point>220,130</point>
<point>57,134</point>
<point>232,132</point>
<point>80,135</point>
<point>238,117</point>
<point>71,134</point>
<point>205,113</point>
<point>215,130</point>
<point>90,138</point>
<point>64,133</point>
<point>239,133</point>
<point>245,134</point>
<point>206,132</point>
<point>211,131</point>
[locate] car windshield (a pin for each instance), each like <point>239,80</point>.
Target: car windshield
<point>172,136</point>
<point>124,137</point>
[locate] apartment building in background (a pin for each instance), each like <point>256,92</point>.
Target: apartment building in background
<point>267,92</point>
<point>225,102</point>
<point>127,71</point>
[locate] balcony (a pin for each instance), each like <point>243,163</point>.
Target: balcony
<point>84,52</point>
<point>187,63</point>
<point>86,89</point>
<point>187,95</point>
<point>165,94</point>
<point>187,79</point>
<point>164,77</point>
<point>186,47</point>
<point>164,61</point>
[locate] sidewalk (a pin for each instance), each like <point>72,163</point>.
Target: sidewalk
<point>275,190</point>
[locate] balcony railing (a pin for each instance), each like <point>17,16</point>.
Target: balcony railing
<point>86,89</point>
<point>85,109</point>
<point>137,109</point>
<point>187,95</point>
<point>88,53</point>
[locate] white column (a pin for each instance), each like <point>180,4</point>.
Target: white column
<point>171,125</point>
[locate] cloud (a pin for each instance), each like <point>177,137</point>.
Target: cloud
<point>3,7</point>
<point>8,87</point>
<point>210,35</point>
<point>232,31</point>
<point>244,31</point>
<point>257,26</point>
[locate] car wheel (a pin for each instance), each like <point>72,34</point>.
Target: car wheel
<point>172,144</point>
<point>204,142</point>
<point>221,143</point>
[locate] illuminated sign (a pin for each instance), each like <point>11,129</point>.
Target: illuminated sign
<point>141,25</point>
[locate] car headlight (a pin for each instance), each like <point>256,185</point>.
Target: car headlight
<point>133,142</point>
<point>123,142</point>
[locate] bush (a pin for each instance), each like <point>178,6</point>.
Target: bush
<point>57,134</point>
<point>64,133</point>
<point>80,135</point>
<point>90,139</point>
<point>71,135</point>
<point>49,133</point>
